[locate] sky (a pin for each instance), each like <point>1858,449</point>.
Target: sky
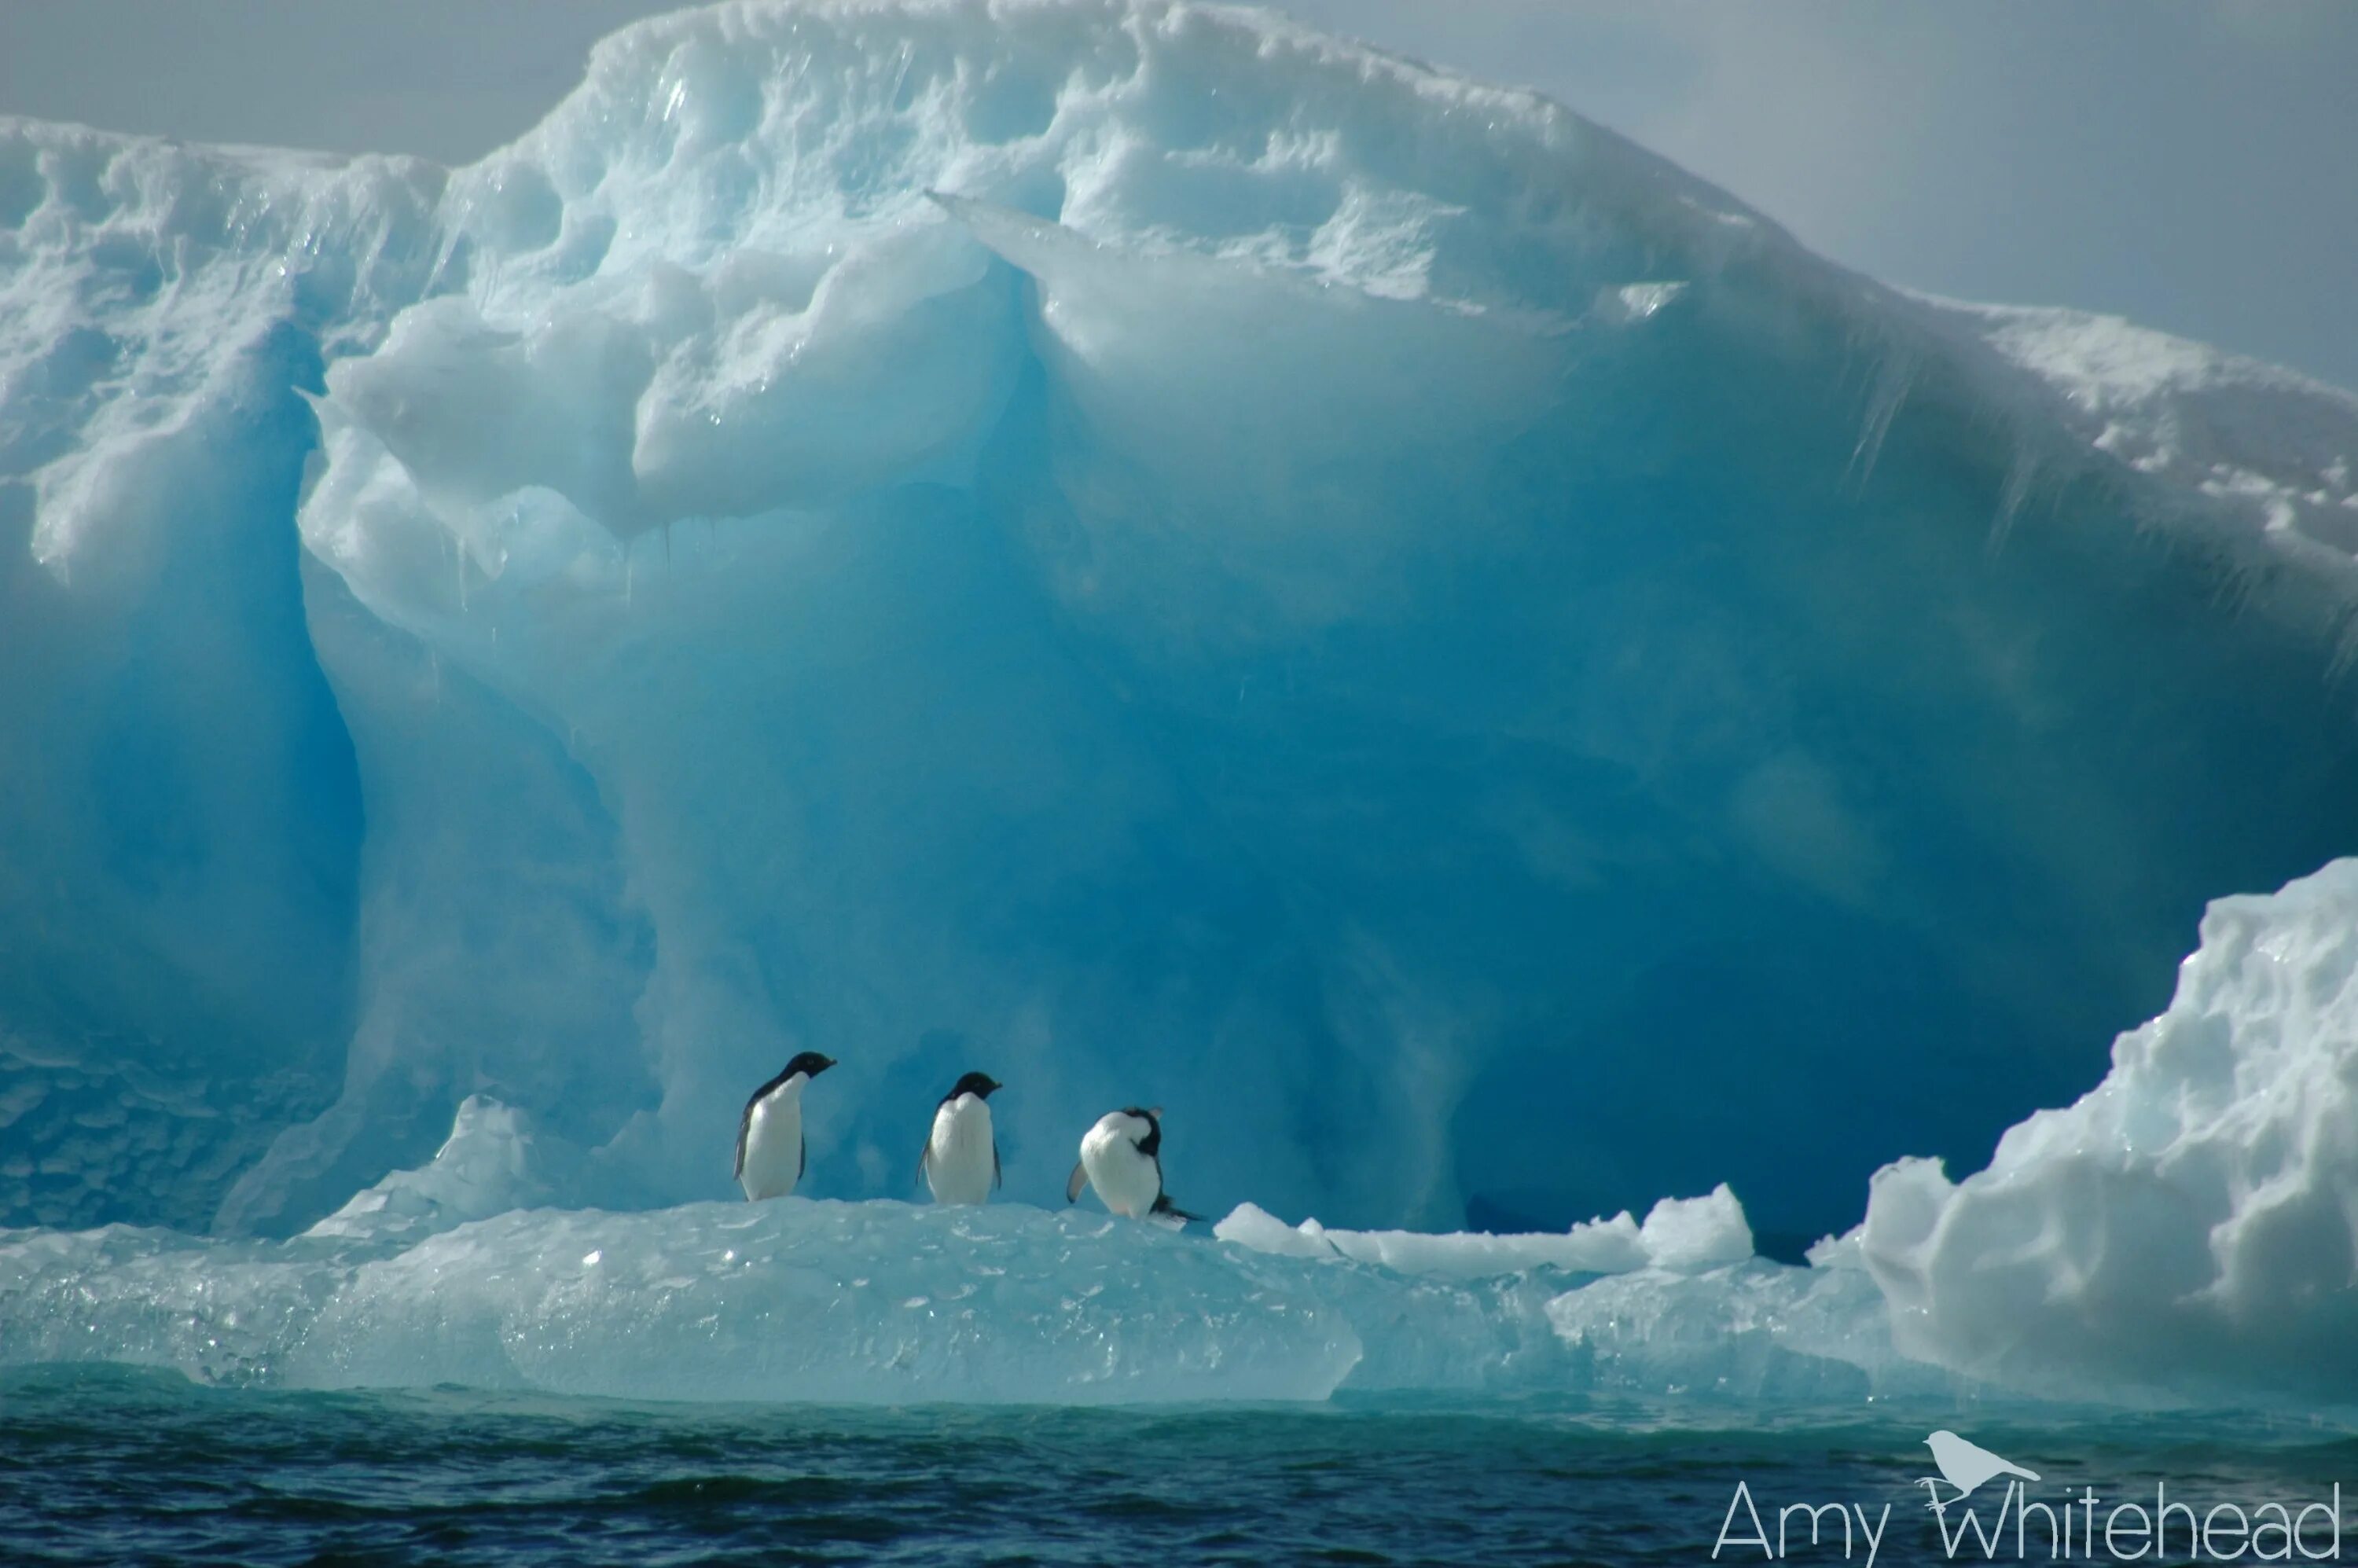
<point>2194,166</point>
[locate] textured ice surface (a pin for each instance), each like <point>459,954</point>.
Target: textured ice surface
<point>1681,1234</point>
<point>490,1164</point>
<point>790,1299</point>
<point>1134,548</point>
<point>1758,1331</point>
<point>2191,1221</point>
<point>802,1299</point>
<point>2256,438</point>
<point>884,1301</point>
<point>1686,1309</point>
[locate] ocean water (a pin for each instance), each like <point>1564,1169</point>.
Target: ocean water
<point>112,1465</point>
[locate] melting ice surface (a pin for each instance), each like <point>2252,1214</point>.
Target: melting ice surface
<point>1174,560</point>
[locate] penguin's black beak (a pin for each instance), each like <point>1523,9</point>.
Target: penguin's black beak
<point>991,1087</point>
<point>824,1063</point>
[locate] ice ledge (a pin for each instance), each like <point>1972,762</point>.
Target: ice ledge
<point>887,1303</point>
<point>1682,1235</point>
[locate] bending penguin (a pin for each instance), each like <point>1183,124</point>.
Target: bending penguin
<point>1122,1156</point>
<point>770,1149</point>
<point>961,1159</point>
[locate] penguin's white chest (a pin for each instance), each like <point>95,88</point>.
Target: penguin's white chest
<point>773,1144</point>
<point>1127,1181</point>
<point>958,1158</point>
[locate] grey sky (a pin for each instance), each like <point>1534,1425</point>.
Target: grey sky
<point>2194,166</point>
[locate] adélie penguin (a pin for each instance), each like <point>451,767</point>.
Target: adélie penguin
<point>962,1158</point>
<point>770,1150</point>
<point>1121,1157</point>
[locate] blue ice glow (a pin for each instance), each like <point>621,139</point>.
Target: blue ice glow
<point>1140,549</point>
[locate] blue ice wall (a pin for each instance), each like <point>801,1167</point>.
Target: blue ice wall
<point>1139,548</point>
<point>180,821</point>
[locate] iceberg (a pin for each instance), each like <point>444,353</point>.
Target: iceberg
<point>1173,559</point>
<point>2181,1233</point>
<point>447,1274</point>
<point>2192,1223</point>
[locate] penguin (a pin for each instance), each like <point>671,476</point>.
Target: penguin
<point>1122,1156</point>
<point>770,1151</point>
<point>961,1159</point>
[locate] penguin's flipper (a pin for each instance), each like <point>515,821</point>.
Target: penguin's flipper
<point>802,1159</point>
<point>1163,1204</point>
<point>1075,1182</point>
<point>924,1157</point>
<point>997,1178</point>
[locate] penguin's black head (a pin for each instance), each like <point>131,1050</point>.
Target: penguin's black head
<point>810,1064</point>
<point>978,1085</point>
<point>1152,1143</point>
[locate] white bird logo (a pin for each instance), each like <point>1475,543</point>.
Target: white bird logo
<point>1964,1465</point>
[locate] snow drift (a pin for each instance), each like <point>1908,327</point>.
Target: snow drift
<point>1132,547</point>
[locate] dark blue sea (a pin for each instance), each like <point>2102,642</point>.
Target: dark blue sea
<point>111,1466</point>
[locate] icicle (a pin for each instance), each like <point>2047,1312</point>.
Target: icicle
<point>2019,474</point>
<point>1892,388</point>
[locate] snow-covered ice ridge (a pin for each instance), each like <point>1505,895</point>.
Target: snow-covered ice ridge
<point>2270,448</point>
<point>1135,546</point>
